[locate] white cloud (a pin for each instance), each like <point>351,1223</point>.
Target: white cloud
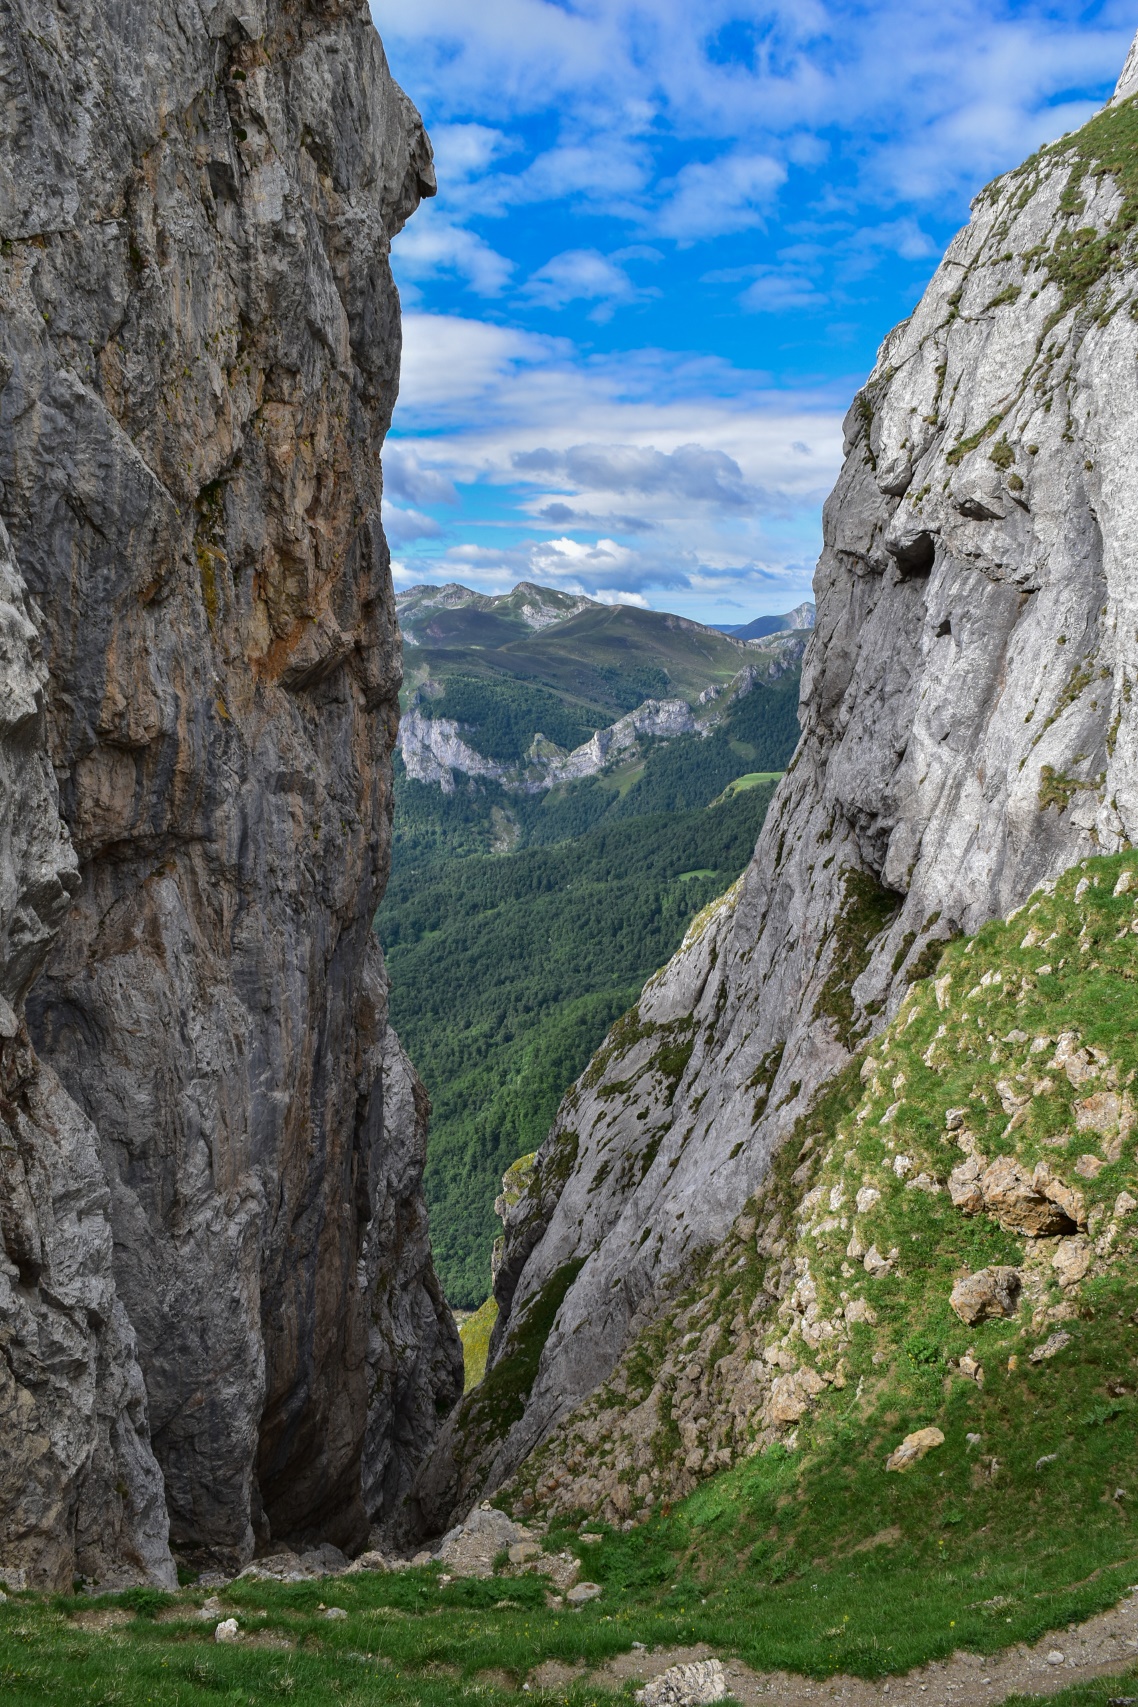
<point>467,150</point>
<point>929,94</point>
<point>776,290</point>
<point>616,596</point>
<point>405,476</point>
<point>401,526</point>
<point>710,199</point>
<point>690,473</point>
<point>432,244</point>
<point>581,274</point>
<point>680,476</point>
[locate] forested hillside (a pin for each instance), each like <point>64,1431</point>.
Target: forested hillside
<point>519,925</point>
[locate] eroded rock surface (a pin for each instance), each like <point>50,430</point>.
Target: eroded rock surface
<point>80,1492</point>
<point>968,731</point>
<point>199,338</point>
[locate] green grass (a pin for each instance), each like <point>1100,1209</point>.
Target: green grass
<point>753,779</point>
<point>410,1639</point>
<point>981,1543</point>
<point>602,661</point>
<point>475,1336</point>
<point>508,967</point>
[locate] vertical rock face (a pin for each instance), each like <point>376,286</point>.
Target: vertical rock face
<point>969,729</point>
<point>199,337</point>
<point>80,1492</point>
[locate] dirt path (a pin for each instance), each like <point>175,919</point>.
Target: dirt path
<point>1103,1646</point>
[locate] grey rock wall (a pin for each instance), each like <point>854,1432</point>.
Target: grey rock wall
<point>80,1492</point>
<point>968,729</point>
<point>199,348</point>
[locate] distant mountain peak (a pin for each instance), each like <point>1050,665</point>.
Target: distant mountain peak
<point>801,617</point>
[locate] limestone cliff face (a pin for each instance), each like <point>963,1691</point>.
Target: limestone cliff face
<point>968,729</point>
<point>80,1492</point>
<point>199,343</point>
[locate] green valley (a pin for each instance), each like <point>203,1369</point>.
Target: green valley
<point>522,920</point>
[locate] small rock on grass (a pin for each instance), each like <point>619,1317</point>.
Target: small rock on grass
<point>1049,1347</point>
<point>583,1592</point>
<point>913,1448</point>
<point>685,1686</point>
<point>334,1612</point>
<point>227,1631</point>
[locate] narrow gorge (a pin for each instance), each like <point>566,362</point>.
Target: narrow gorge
<point>813,1351</point>
<point>968,733</point>
<point>217,1278</point>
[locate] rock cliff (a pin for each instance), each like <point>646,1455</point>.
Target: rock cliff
<point>199,348</point>
<point>968,730</point>
<point>80,1492</point>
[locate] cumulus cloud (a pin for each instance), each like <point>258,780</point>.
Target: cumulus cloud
<point>617,596</point>
<point>581,274</point>
<point>818,149</point>
<point>402,525</point>
<point>942,91</point>
<point>546,446</point>
<point>406,476</point>
<point>710,199</point>
<point>691,471</point>
<point>432,244</point>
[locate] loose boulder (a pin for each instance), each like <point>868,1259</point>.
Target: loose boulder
<point>913,1448</point>
<point>991,1292</point>
<point>1021,1202</point>
<point>1072,1259</point>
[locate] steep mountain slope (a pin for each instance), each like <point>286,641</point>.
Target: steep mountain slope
<point>537,883</point>
<point>506,973</point>
<point>967,731</point>
<point>512,688</point>
<point>948,1242</point>
<point>199,346</point>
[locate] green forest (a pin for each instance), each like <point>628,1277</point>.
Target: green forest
<point>517,927</point>
<point>507,972</point>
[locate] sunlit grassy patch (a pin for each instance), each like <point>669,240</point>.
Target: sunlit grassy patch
<point>475,1336</point>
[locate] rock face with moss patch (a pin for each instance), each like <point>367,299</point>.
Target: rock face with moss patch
<point>968,730</point>
<point>199,348</point>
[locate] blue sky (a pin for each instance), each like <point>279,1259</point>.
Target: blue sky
<point>668,239</point>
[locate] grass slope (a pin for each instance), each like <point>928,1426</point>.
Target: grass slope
<point>580,673</point>
<point>807,1552</point>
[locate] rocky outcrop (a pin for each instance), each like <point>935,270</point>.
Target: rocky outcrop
<point>432,749</point>
<point>968,731</point>
<point>656,719</point>
<point>80,1492</point>
<point>199,341</point>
